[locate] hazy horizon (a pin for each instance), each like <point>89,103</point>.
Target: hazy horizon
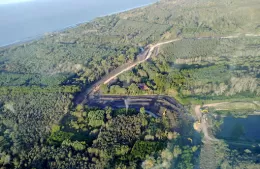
<point>6,2</point>
<point>22,21</point>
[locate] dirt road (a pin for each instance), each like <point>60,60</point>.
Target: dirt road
<point>148,53</point>
<point>112,75</point>
<point>141,61</point>
<point>203,124</point>
<point>153,47</point>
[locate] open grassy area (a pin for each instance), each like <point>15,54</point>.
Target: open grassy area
<point>236,106</point>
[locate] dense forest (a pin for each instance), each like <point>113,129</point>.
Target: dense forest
<point>95,138</point>
<point>41,126</point>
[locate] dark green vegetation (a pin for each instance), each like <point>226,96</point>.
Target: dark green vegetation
<point>206,69</point>
<point>226,155</point>
<point>39,80</point>
<point>86,53</point>
<point>93,138</point>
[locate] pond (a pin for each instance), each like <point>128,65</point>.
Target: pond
<point>240,128</point>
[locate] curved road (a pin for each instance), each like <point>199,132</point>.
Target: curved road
<point>144,56</point>
<point>149,54</point>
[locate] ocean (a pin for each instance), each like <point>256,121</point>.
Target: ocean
<point>28,20</point>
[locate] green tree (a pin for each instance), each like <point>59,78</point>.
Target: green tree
<point>104,89</point>
<point>142,110</point>
<point>177,151</point>
<point>79,107</point>
<point>133,89</point>
<point>121,150</point>
<point>96,118</point>
<point>108,113</point>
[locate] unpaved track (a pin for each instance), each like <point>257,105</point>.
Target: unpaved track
<point>152,47</point>
<point>203,125</point>
<point>215,104</point>
<point>95,87</point>
<point>148,53</point>
<point>147,57</point>
<point>112,75</point>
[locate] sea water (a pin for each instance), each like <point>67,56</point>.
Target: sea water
<point>20,21</point>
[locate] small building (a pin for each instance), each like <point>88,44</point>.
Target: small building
<point>143,86</point>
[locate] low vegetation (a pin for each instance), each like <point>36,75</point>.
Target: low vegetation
<point>194,73</point>
<point>41,127</point>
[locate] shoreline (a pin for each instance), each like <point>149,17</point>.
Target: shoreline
<point>38,37</point>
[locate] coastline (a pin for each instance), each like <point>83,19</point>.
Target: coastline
<point>40,36</point>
